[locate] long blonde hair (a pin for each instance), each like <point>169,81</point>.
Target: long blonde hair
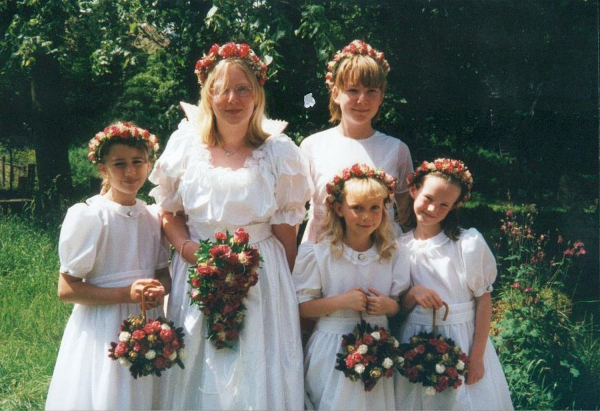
<point>255,135</point>
<point>334,226</point>
<point>357,69</point>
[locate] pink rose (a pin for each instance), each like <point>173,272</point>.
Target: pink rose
<point>138,335</point>
<point>166,335</point>
<point>220,251</point>
<point>121,349</point>
<point>220,236</point>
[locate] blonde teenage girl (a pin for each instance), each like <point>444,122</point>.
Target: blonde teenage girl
<point>110,248</point>
<point>452,265</point>
<point>356,79</point>
<point>355,270</point>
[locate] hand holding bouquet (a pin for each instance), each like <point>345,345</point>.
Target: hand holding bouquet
<point>220,281</point>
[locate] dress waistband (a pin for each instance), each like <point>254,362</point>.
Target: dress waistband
<point>459,313</point>
<point>257,232</point>
<point>120,279</point>
<point>344,325</point>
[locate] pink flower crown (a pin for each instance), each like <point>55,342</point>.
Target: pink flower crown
<point>336,186</point>
<point>453,168</point>
<point>231,50</point>
<point>124,131</point>
<point>357,47</point>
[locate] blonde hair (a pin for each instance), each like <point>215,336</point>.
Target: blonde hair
<point>334,226</point>
<point>108,145</point>
<point>255,135</point>
<point>358,69</point>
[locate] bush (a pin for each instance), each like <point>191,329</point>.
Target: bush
<point>546,356</point>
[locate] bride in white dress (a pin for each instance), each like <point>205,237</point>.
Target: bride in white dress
<point>220,171</point>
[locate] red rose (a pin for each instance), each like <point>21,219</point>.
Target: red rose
<point>161,362</point>
<point>442,347</point>
<point>410,355</point>
<point>244,50</point>
<point>167,351</point>
<point>205,271</point>
<point>420,348</point>
<point>148,328</point>
<point>121,349</point>
<point>138,335</point>
<point>457,383</point>
<point>451,371</point>
<point>233,258</point>
<point>412,373</point>
<point>220,236</point>
<point>167,335</point>
<point>219,251</point>
<point>240,236</point>
<point>368,339</point>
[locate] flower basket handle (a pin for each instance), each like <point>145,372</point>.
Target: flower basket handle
<point>143,304</point>
<point>444,318</point>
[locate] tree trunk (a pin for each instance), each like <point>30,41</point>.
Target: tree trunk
<point>51,133</point>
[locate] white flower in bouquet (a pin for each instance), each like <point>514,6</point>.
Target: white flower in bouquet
<point>173,356</point>
<point>359,368</point>
<point>124,336</point>
<point>430,391</point>
<point>150,355</point>
<point>460,365</point>
<point>400,360</point>
<point>124,362</point>
<point>396,343</point>
<point>362,349</point>
<point>165,327</point>
<point>182,354</point>
<point>387,363</point>
<point>439,368</point>
<point>376,335</point>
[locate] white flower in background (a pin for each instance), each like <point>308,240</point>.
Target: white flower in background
<point>362,349</point>
<point>309,100</point>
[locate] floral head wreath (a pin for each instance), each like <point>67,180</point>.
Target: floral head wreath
<point>123,131</point>
<point>231,50</point>
<point>453,168</point>
<point>336,186</point>
<point>357,47</point>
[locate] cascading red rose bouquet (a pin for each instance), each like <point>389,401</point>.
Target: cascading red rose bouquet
<point>433,360</point>
<point>369,353</point>
<point>148,346</point>
<point>224,272</point>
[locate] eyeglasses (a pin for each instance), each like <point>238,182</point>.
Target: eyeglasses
<point>239,91</point>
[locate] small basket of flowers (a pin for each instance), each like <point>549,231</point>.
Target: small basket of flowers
<point>148,346</point>
<point>433,360</point>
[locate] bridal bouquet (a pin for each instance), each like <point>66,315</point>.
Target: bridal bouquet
<point>369,353</point>
<point>148,346</point>
<point>224,272</point>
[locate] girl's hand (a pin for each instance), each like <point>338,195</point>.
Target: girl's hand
<point>425,297</point>
<point>355,299</point>
<point>154,295</point>
<point>380,304</point>
<point>476,371</point>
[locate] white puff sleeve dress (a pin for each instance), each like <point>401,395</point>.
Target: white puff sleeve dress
<point>459,271</point>
<point>264,370</point>
<point>107,245</point>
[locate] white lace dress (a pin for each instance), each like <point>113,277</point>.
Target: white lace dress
<point>264,370</point>
<point>107,245</point>
<point>319,274</point>
<point>459,271</point>
<point>329,152</point>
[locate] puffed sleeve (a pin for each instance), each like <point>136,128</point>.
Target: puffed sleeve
<point>480,264</point>
<point>306,275</point>
<point>169,168</point>
<point>405,168</point>
<point>79,238</point>
<point>293,187</point>
<point>400,271</point>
